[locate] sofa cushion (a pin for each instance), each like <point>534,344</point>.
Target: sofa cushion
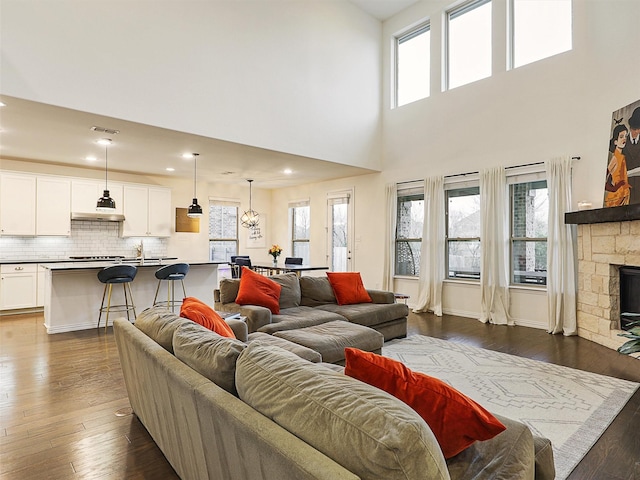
<point>229,290</point>
<point>316,291</point>
<point>348,288</point>
<point>158,323</point>
<point>290,293</point>
<point>208,353</point>
<point>265,339</point>
<point>331,339</point>
<point>256,289</point>
<point>364,429</point>
<point>298,317</point>
<point>456,420</point>
<point>204,315</point>
<point>368,314</point>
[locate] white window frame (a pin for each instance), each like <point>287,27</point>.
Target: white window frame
<point>450,14</point>
<point>458,183</point>
<point>406,190</point>
<point>225,203</point>
<point>415,31</point>
<point>292,228</point>
<point>526,174</point>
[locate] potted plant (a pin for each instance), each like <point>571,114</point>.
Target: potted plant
<point>633,345</point>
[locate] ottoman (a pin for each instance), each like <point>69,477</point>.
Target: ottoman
<point>331,338</point>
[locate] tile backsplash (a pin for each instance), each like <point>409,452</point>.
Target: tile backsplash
<point>87,238</point>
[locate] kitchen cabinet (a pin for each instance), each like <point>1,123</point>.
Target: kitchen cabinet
<point>85,195</point>
<point>18,286</point>
<point>40,285</point>
<point>147,211</point>
<point>17,204</point>
<point>53,206</point>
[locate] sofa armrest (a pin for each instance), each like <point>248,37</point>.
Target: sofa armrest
<point>239,328</point>
<point>381,296</point>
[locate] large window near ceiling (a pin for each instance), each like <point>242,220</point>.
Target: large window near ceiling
<point>529,227</point>
<point>468,43</point>
<point>413,58</point>
<point>539,29</point>
<point>223,230</point>
<point>463,233</point>
<point>300,214</point>
<point>409,222</point>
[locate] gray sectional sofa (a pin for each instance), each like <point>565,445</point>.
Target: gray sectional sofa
<point>308,301</point>
<point>221,408</point>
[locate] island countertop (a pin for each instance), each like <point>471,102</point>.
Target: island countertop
<point>73,293</point>
<point>84,265</point>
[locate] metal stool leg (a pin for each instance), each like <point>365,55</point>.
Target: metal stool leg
<point>183,289</point>
<point>104,293</point>
<point>133,305</point>
<point>157,290</point>
<point>106,324</point>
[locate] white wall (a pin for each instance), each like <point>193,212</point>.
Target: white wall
<point>558,106</point>
<point>301,77</point>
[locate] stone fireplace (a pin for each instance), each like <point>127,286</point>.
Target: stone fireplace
<point>608,239</point>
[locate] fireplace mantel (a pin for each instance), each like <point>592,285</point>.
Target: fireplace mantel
<point>626,213</point>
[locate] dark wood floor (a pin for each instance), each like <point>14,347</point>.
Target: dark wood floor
<point>63,404</point>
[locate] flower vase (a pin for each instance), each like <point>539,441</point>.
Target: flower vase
<point>275,261</point>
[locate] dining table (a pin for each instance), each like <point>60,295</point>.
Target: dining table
<point>272,269</point>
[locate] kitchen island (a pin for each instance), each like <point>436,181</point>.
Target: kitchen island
<point>73,293</point>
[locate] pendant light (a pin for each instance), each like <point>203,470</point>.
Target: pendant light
<point>250,218</point>
<point>105,203</point>
<point>195,210</point>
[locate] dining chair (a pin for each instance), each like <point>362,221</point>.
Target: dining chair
<point>293,261</point>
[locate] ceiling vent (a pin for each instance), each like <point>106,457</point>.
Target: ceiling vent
<point>110,131</point>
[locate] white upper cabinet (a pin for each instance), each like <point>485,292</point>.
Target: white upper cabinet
<point>17,204</point>
<point>85,195</point>
<point>147,211</point>
<point>53,206</point>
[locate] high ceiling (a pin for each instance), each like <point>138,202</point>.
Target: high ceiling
<point>44,133</point>
<point>49,134</point>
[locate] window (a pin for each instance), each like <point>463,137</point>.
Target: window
<point>539,29</point>
<point>463,233</point>
<point>300,228</point>
<point>223,230</point>
<point>529,221</point>
<point>410,218</point>
<point>413,57</point>
<point>468,43</point>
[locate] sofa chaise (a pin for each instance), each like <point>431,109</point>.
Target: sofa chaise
<point>221,408</point>
<point>308,301</point>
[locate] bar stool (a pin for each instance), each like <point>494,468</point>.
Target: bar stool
<point>123,274</point>
<point>171,273</point>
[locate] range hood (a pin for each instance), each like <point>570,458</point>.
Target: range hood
<point>99,216</point>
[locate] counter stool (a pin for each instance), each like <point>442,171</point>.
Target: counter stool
<point>171,273</point>
<point>123,274</point>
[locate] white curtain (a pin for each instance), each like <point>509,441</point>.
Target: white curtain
<point>561,271</point>
<point>432,248</point>
<point>494,240</point>
<point>390,238</point>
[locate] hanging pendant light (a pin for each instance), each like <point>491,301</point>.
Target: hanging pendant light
<point>105,203</point>
<point>250,218</point>
<point>195,210</point>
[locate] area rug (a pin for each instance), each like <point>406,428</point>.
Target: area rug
<point>570,407</point>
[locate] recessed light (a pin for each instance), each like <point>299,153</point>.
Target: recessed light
<point>104,141</point>
<point>90,158</point>
<point>187,155</point>
<point>288,171</point>
<point>170,169</point>
<point>2,104</point>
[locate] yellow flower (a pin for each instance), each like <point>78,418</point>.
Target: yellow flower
<point>275,250</point>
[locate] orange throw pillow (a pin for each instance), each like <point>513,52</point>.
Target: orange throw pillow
<point>348,288</point>
<point>201,313</point>
<point>456,420</point>
<point>256,289</point>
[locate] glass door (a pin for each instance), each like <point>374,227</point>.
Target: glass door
<point>340,246</point>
